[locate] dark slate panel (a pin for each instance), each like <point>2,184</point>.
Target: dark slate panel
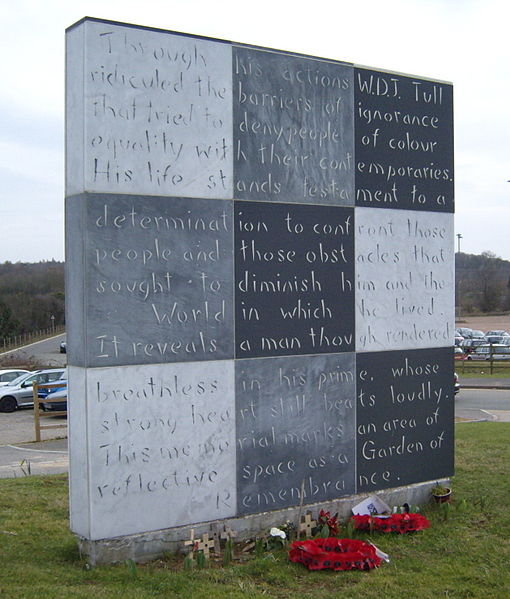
<point>75,280</point>
<point>404,417</point>
<point>294,279</point>
<point>404,142</point>
<point>293,128</point>
<point>158,275</point>
<point>295,429</point>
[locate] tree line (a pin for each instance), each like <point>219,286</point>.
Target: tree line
<point>482,283</point>
<point>32,297</point>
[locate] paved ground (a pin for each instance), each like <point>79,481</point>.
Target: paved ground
<point>20,455</point>
<point>484,323</point>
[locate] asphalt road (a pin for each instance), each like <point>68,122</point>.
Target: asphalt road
<point>484,399</point>
<point>46,352</point>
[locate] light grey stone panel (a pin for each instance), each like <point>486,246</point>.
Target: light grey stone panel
<point>160,446</point>
<point>156,114</point>
<point>404,279</point>
<point>78,454</point>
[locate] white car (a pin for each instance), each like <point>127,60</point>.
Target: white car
<point>7,376</point>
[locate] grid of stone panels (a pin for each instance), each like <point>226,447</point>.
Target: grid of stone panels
<point>260,279</point>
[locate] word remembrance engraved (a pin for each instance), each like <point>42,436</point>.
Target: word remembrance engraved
<point>259,283</point>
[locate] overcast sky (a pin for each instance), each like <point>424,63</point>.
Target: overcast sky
<point>461,41</point>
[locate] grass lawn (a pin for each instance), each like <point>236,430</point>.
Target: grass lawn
<point>465,553</point>
<point>482,368</point>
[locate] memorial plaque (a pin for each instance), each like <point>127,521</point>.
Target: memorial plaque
<point>294,279</point>
<point>158,279</point>
<point>247,331</point>
<point>404,142</point>
<point>404,417</point>
<point>293,128</point>
<point>163,437</point>
<point>152,114</point>
<point>295,430</point>
<point>404,279</point>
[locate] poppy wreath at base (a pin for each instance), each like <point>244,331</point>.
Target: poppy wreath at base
<point>334,554</point>
<point>400,523</point>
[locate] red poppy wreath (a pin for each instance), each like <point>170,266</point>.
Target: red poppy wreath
<point>400,523</point>
<point>334,554</point>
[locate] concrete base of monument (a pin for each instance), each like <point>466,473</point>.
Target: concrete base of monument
<point>143,547</point>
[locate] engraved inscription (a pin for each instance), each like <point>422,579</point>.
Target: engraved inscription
<point>293,131</point>
<point>160,280</point>
<point>404,279</point>
<point>294,279</point>
<point>404,430</point>
<point>404,142</point>
<point>158,114</point>
<point>294,431</point>
<point>163,434</point>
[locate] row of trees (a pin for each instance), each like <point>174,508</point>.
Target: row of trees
<point>32,297</point>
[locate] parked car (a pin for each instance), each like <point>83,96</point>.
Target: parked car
<point>8,376</point>
<point>469,333</point>
<point>56,401</point>
<point>20,392</point>
<point>463,332</point>
<point>496,336</point>
<point>458,353</point>
<point>468,345</point>
<point>495,339</point>
<point>456,384</point>
<point>477,334</point>
<point>494,351</point>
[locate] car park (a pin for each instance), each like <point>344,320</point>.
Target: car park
<point>8,376</point>
<point>20,392</point>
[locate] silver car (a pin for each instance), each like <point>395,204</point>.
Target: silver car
<point>7,376</point>
<point>493,351</point>
<point>20,392</point>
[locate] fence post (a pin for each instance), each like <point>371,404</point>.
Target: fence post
<point>37,422</point>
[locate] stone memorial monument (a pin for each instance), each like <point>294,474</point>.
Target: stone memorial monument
<point>260,285</point>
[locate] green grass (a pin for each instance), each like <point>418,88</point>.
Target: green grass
<point>465,553</point>
<point>482,369</point>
